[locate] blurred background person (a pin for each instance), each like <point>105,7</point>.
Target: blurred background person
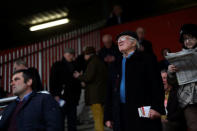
<point>63,86</point>
<point>174,119</point>
<point>21,64</point>
<point>117,16</point>
<point>95,79</point>
<point>163,64</point>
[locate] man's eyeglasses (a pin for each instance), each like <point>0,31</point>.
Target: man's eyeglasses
<point>121,39</point>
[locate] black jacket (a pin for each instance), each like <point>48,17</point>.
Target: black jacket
<point>62,82</point>
<point>40,112</point>
<point>37,80</point>
<point>143,88</point>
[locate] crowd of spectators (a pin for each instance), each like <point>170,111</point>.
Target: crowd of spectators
<point>125,85</point>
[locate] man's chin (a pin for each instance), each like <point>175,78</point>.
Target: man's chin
<point>15,93</point>
<point>122,50</point>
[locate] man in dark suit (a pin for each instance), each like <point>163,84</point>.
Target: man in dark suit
<point>30,111</point>
<point>63,86</point>
<point>117,16</point>
<point>140,85</point>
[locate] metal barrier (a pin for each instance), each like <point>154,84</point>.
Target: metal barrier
<point>43,54</point>
<point>5,101</point>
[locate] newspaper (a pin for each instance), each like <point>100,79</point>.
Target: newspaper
<point>186,63</point>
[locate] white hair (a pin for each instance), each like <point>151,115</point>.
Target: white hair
<point>137,42</point>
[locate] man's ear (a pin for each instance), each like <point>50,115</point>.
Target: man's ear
<point>29,82</point>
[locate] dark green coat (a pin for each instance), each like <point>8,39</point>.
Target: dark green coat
<point>95,78</point>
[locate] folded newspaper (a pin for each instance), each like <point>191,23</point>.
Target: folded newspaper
<point>186,63</point>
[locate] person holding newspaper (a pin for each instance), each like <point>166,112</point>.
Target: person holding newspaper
<point>182,71</point>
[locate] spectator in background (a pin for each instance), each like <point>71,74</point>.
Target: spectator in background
<point>2,92</point>
<point>95,78</point>
<point>174,119</point>
<point>109,54</point>
<point>116,17</point>
<point>81,62</point>
<point>63,86</point>
<point>163,64</point>
<point>21,64</point>
<point>140,85</point>
<point>81,65</point>
<point>31,111</point>
<point>145,45</point>
<point>187,93</point>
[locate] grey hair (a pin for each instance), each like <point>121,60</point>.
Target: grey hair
<point>21,62</point>
<point>163,71</point>
<point>137,42</point>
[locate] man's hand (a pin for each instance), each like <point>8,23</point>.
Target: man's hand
<point>154,114</point>
<point>83,84</point>
<point>108,124</point>
<point>172,68</point>
<point>76,74</point>
<point>57,98</point>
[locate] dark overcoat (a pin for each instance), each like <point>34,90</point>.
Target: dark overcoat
<point>143,87</point>
<point>62,82</point>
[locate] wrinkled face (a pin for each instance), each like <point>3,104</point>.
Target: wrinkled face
<point>19,67</point>
<point>140,33</point>
<point>69,57</point>
<point>126,44</point>
<point>18,85</point>
<point>107,41</point>
<point>189,41</point>
<point>164,78</point>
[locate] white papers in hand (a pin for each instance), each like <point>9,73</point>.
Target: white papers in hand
<point>144,111</point>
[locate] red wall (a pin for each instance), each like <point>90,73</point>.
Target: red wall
<point>162,31</point>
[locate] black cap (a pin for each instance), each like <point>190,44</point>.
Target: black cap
<point>189,29</point>
<point>69,50</point>
<point>129,33</point>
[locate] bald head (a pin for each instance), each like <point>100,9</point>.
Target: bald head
<point>20,64</point>
<point>107,40</point>
<point>140,32</point>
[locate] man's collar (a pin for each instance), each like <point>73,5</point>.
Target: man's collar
<point>24,98</point>
<point>129,55</point>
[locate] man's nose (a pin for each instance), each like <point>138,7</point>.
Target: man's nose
<point>11,83</point>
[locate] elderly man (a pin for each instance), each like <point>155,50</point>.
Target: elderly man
<point>30,111</point>
<point>109,52</point>
<point>140,87</point>
<point>65,87</point>
<point>145,45</point>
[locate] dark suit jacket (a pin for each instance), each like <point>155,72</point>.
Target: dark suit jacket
<point>40,112</point>
<point>62,82</point>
